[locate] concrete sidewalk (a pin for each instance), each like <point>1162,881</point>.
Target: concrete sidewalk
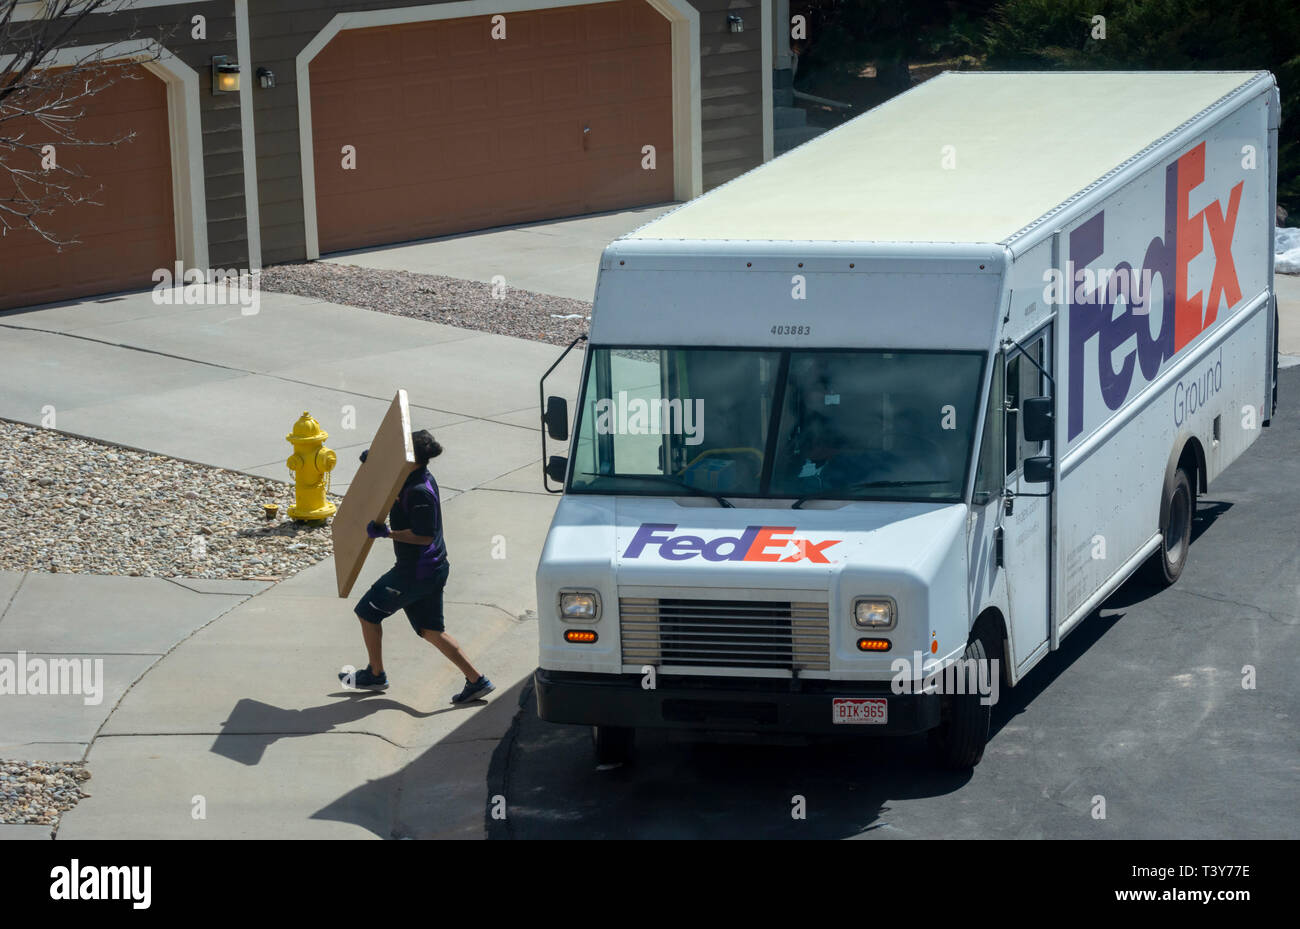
<point>127,622</point>
<point>247,713</point>
<point>210,385</point>
<point>559,257</point>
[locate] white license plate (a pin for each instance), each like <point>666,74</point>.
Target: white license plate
<point>859,711</point>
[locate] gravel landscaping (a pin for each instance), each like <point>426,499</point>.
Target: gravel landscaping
<point>447,300</point>
<point>38,792</point>
<point>82,507</point>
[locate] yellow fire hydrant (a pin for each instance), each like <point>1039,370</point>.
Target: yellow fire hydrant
<point>311,464</point>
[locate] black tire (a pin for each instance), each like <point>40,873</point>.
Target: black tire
<point>613,744</point>
<point>958,743</point>
<point>1166,565</point>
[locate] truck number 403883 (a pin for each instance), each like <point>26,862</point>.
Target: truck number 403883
<point>792,330</point>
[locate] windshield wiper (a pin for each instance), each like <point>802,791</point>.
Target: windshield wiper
<point>695,491</point>
<point>858,486</point>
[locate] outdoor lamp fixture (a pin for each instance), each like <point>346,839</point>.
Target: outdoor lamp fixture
<point>735,23</point>
<point>225,75</point>
<point>266,77</point>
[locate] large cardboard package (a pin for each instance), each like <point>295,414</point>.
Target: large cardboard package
<point>372,492</point>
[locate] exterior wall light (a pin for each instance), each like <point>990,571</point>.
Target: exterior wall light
<point>266,78</point>
<point>735,23</point>
<point>225,75</point>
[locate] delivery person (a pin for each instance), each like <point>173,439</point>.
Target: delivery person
<point>416,582</point>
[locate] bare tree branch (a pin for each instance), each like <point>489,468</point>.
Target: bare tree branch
<point>43,100</point>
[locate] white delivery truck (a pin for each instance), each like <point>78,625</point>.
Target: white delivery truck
<point>917,395</point>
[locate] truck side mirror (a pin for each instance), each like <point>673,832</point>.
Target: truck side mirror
<point>557,466</point>
<point>556,419</point>
<point>1039,419</point>
<point>1039,469</point>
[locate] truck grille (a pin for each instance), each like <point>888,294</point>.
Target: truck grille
<point>776,634</point>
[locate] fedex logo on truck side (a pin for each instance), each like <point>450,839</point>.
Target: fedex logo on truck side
<point>1184,316</point>
<point>756,543</point>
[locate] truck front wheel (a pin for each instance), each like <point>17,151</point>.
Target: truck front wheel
<point>959,741</point>
<point>613,744</point>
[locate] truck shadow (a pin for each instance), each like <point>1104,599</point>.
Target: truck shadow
<point>1136,589</point>
<point>1133,591</point>
<point>1207,513</point>
<point>696,789</point>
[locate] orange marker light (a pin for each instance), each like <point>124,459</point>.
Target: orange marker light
<point>585,636</point>
<point>873,645</point>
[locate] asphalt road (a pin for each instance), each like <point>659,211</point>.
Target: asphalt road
<point>1143,706</point>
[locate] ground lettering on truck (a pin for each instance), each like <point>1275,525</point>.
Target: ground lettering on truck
<point>756,543</point>
<point>1195,390</point>
<point>1092,310</point>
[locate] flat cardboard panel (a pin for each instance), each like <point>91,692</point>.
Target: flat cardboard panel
<point>372,492</point>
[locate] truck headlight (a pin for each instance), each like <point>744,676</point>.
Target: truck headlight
<point>874,613</point>
<point>579,606</point>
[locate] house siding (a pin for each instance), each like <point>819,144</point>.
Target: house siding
<point>731,78</point>
<point>731,89</point>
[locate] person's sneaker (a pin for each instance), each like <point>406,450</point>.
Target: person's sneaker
<point>473,690</point>
<point>365,678</point>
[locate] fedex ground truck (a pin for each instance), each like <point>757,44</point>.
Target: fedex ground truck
<point>916,396</point>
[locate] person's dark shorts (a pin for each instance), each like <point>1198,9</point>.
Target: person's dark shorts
<point>399,589</point>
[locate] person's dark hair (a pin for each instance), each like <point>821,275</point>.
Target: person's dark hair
<point>426,447</point>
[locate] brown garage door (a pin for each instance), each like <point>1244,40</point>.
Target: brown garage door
<point>454,130</point>
<point>130,233</point>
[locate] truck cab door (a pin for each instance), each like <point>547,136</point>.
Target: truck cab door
<point>1026,520</point>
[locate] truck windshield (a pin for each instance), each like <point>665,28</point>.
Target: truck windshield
<point>853,425</point>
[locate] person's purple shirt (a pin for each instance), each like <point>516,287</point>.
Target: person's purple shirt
<point>418,509</point>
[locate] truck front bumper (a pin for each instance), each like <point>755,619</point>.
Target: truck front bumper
<point>723,703</point>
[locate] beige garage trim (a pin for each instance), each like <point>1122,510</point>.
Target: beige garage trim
<point>685,28</point>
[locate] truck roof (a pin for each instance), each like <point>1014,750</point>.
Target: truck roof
<point>1022,143</point>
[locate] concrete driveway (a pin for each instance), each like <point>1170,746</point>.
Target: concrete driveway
<point>208,384</point>
<point>1287,288</point>
<point>247,712</point>
<point>559,257</point>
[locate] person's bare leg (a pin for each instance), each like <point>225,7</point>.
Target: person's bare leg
<point>373,633</point>
<point>449,647</point>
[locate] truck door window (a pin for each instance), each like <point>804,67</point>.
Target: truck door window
<point>1031,385</point>
<point>989,476</point>
<point>1023,380</point>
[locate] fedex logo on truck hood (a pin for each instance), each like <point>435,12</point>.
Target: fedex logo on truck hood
<point>777,544</point>
<point>1184,315</point>
<point>640,545</point>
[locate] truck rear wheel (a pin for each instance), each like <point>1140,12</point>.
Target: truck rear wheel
<point>958,742</point>
<point>1166,565</point>
<point>613,744</point>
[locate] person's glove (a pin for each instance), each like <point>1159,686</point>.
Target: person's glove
<point>377,530</point>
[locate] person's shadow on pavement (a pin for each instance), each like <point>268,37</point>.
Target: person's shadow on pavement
<point>253,725</point>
